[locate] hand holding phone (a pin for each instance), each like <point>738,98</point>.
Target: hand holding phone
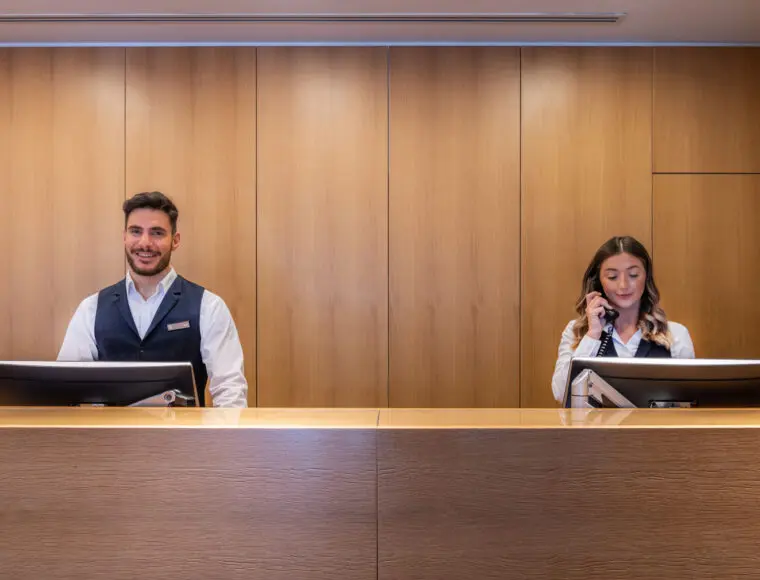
<point>610,315</point>
<point>599,313</point>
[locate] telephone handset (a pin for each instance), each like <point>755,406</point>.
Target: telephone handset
<point>610,315</point>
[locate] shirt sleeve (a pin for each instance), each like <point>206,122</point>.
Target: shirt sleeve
<point>222,353</point>
<point>682,346</point>
<point>588,347</point>
<point>79,341</point>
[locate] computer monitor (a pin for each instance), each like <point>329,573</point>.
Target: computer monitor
<point>660,383</point>
<point>121,384</point>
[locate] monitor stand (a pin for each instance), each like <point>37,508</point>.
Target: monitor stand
<point>170,398</point>
<point>589,390</point>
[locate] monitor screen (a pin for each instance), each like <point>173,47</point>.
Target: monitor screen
<point>643,383</point>
<point>122,384</point>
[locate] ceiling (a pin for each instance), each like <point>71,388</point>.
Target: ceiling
<point>688,22</point>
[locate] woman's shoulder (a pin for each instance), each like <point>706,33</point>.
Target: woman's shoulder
<point>682,345</point>
<point>677,329</point>
<point>569,326</point>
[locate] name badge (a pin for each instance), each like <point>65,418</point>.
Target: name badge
<point>178,325</point>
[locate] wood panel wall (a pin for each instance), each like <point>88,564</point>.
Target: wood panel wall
<point>586,176</point>
<point>706,110</point>
<point>61,189</point>
<point>454,227</point>
<point>707,259</point>
<point>359,209</point>
<point>191,133</point>
<point>323,227</point>
<point>706,137</point>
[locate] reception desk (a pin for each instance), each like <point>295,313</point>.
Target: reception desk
<point>378,493</point>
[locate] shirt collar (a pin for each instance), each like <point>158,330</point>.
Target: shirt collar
<point>632,343</point>
<point>161,289</point>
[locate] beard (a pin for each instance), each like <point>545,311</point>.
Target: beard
<point>162,265</point>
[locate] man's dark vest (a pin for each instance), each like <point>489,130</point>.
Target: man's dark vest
<point>173,336</point>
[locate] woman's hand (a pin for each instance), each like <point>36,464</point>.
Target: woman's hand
<point>595,305</point>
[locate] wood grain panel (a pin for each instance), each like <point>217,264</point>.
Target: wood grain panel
<point>586,176</point>
<point>191,133</point>
<point>188,504</point>
<point>707,110</point>
<point>568,504</point>
<point>6,121</point>
<point>454,227</point>
<point>707,259</point>
<point>61,186</point>
<point>322,215</point>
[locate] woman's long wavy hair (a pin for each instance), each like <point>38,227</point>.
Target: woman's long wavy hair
<point>652,320</point>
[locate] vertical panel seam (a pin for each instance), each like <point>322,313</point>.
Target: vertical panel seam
<point>520,230</point>
<point>651,152</point>
<point>256,226</point>
<point>124,180</point>
<point>388,224</point>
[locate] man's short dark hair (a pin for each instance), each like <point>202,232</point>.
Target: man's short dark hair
<point>152,200</point>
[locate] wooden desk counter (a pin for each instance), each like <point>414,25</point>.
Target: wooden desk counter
<point>339,418</point>
<point>393,494</point>
<point>612,494</point>
<point>135,418</point>
<point>187,494</point>
<point>567,418</point>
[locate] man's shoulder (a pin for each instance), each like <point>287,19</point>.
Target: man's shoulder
<point>214,308</point>
<point>213,300</point>
<point>89,303</point>
<point>115,287</point>
<point>211,303</point>
<point>208,297</point>
<point>189,284</point>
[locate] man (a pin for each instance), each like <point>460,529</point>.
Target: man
<point>156,315</point>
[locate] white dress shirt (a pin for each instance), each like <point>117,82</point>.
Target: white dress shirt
<point>682,347</point>
<point>220,345</point>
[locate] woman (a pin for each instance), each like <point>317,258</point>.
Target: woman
<point>619,278</point>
